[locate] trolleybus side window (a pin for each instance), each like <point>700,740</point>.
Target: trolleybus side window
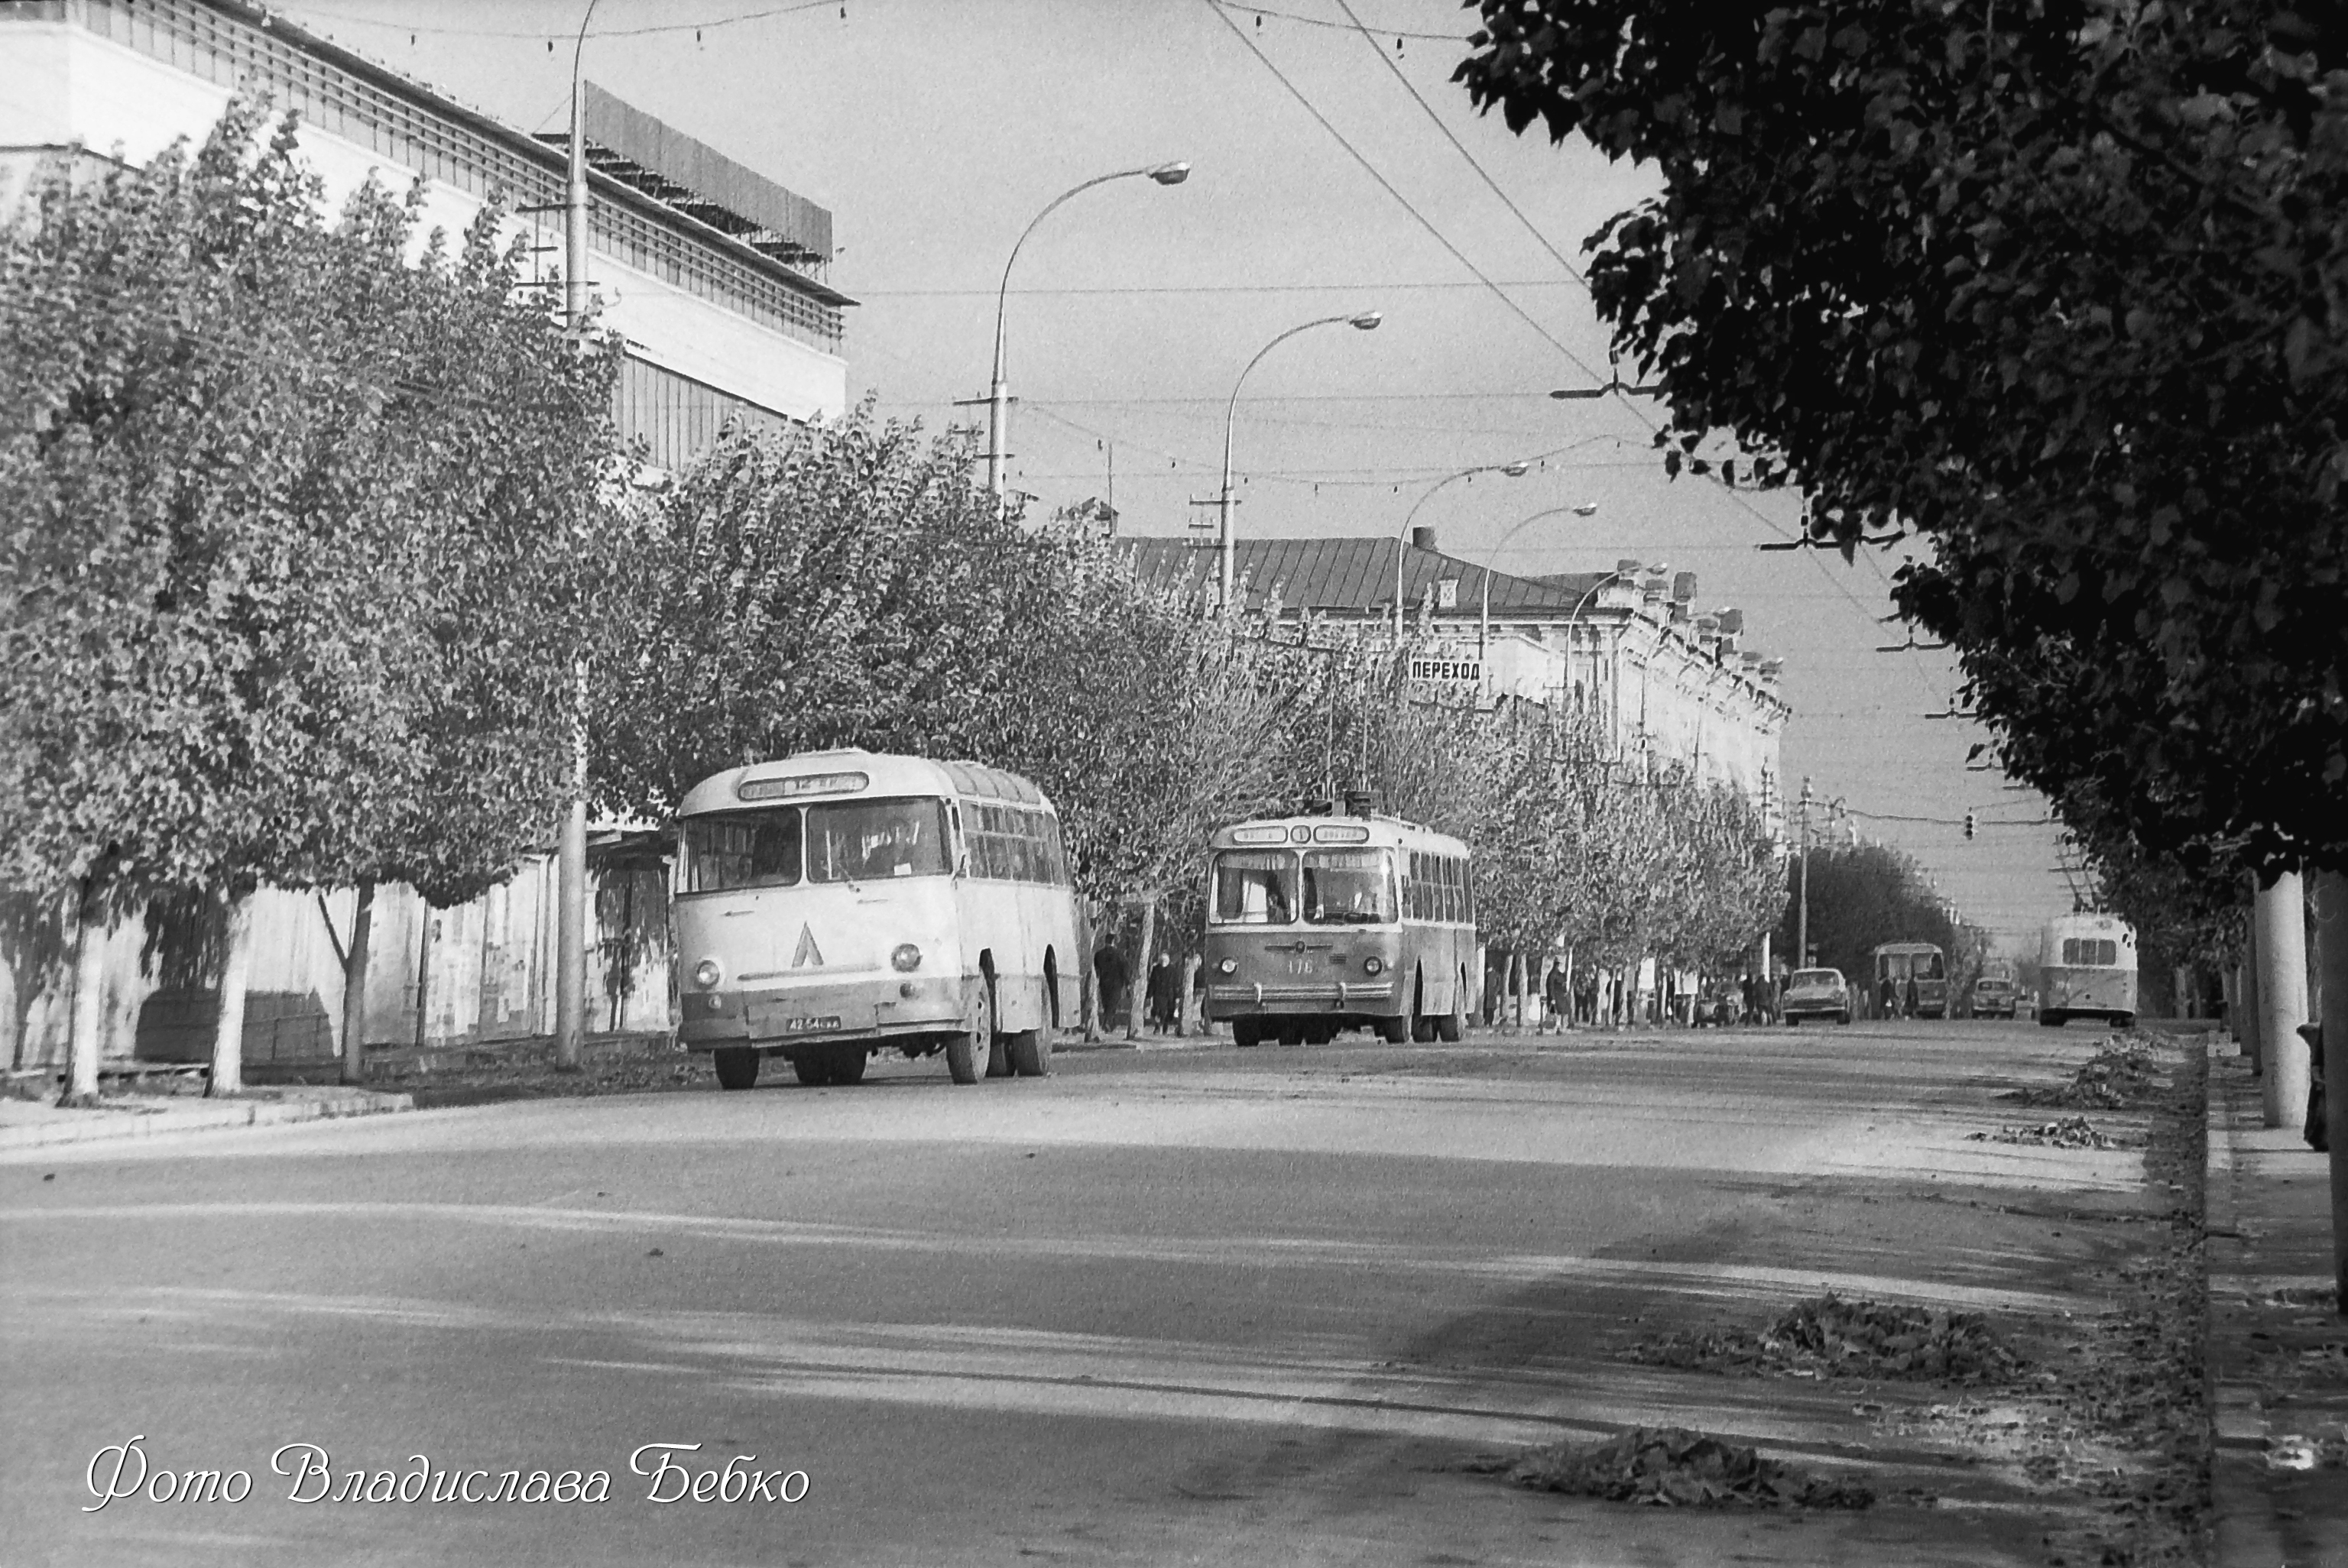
<point>1255,886</point>
<point>742,849</point>
<point>1348,887</point>
<point>872,840</point>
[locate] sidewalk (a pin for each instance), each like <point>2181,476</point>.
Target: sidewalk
<point>34,1124</point>
<point>2278,1350</point>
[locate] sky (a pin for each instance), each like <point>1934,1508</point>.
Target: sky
<point>1333,172</point>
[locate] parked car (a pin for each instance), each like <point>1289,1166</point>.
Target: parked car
<point>1993,997</point>
<point>1816,993</point>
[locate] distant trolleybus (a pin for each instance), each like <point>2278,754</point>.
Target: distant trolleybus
<point>2086,968</point>
<point>835,904</point>
<point>1316,924</point>
<point>1922,962</point>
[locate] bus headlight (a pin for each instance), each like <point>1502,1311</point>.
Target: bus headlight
<point>907,957</point>
<point>1228,967</point>
<point>708,973</point>
<point>1373,965</point>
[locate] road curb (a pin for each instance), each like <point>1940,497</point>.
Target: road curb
<point>116,1122</point>
<point>2243,1531</point>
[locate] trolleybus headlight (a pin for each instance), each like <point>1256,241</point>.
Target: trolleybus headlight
<point>1373,965</point>
<point>1228,967</point>
<point>907,956</point>
<point>708,973</point>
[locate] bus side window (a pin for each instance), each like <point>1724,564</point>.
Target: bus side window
<point>1451,899</point>
<point>1024,859</point>
<point>1468,868</point>
<point>1417,889</point>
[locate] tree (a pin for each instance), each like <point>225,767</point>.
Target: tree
<point>292,589</point>
<point>2055,285</point>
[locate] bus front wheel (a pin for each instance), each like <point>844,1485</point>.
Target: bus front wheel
<point>737,1066</point>
<point>970,1055</point>
<point>1395,1030</point>
<point>847,1063</point>
<point>2053,1020</point>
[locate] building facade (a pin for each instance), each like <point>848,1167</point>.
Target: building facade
<point>1671,684</point>
<point>711,274</point>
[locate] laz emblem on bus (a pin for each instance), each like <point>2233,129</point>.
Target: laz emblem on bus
<point>809,1025</point>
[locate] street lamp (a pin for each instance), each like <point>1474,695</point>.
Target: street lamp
<point>998,394</point>
<point>1402,540</point>
<point>1366,321</point>
<point>1484,622</point>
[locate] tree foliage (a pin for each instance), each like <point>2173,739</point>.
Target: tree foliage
<point>2059,284</point>
<point>289,587</point>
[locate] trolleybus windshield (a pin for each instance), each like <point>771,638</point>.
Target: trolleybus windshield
<point>1349,887</point>
<point>1255,886</point>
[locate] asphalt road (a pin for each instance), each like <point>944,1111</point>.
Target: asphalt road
<point>1186,1304</point>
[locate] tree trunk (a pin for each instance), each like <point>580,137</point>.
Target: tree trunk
<point>1565,1024</point>
<point>2282,921</point>
<point>354,978</point>
<point>85,1036</point>
<point>1136,992</point>
<point>228,1032</point>
<point>1518,969</point>
<point>2247,1030</point>
<point>1191,1023</point>
<point>2331,952</point>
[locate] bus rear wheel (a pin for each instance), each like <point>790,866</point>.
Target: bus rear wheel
<point>2053,1020</point>
<point>813,1068</point>
<point>847,1063</point>
<point>1031,1051</point>
<point>1395,1030</point>
<point>737,1066</point>
<point>1450,1026</point>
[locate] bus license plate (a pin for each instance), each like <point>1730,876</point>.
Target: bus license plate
<point>809,1025</point>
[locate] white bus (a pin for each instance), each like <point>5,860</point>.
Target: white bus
<point>836,904</point>
<point>2087,968</point>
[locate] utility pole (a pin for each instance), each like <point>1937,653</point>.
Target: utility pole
<point>1802,920</point>
<point>571,851</point>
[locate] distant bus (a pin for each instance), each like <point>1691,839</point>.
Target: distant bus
<point>836,904</point>
<point>2087,966</point>
<point>1319,923</point>
<point>1921,963</point>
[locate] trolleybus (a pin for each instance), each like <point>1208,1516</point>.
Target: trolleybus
<point>1319,923</point>
<point>836,904</point>
<point>2086,968</point>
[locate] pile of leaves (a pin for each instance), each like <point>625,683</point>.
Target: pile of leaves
<point>2070,1132</point>
<point>1672,1466</point>
<point>1828,1335</point>
<point>2116,1078</point>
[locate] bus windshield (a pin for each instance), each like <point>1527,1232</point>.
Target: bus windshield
<point>1255,887</point>
<point>874,840</point>
<point>1925,966</point>
<point>741,849</point>
<point>1349,887</point>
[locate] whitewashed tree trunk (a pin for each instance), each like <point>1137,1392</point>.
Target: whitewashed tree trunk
<point>1191,1023</point>
<point>228,1035</point>
<point>1137,993</point>
<point>354,978</point>
<point>85,1035</point>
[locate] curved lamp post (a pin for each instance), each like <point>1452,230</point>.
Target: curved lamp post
<point>998,393</point>
<point>570,844</point>
<point>1366,321</point>
<point>1484,621</point>
<point>1402,540</point>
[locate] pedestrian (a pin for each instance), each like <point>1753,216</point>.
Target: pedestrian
<point>1110,971</point>
<point>1560,996</point>
<point>1889,998</point>
<point>1912,1007</point>
<point>1164,994</point>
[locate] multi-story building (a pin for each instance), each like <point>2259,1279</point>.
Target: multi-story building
<point>713,275</point>
<point>1671,682</point>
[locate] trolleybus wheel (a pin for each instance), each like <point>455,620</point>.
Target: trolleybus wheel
<point>2053,1020</point>
<point>847,1063</point>
<point>737,1066</point>
<point>1031,1051</point>
<point>1292,1032</point>
<point>970,1056</point>
<point>1395,1030</point>
<point>813,1067</point>
<point>1247,1031</point>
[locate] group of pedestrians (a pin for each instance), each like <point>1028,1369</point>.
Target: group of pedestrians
<point>1161,996</point>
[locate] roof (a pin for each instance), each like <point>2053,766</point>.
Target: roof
<point>1356,576</point>
<point>851,772</point>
